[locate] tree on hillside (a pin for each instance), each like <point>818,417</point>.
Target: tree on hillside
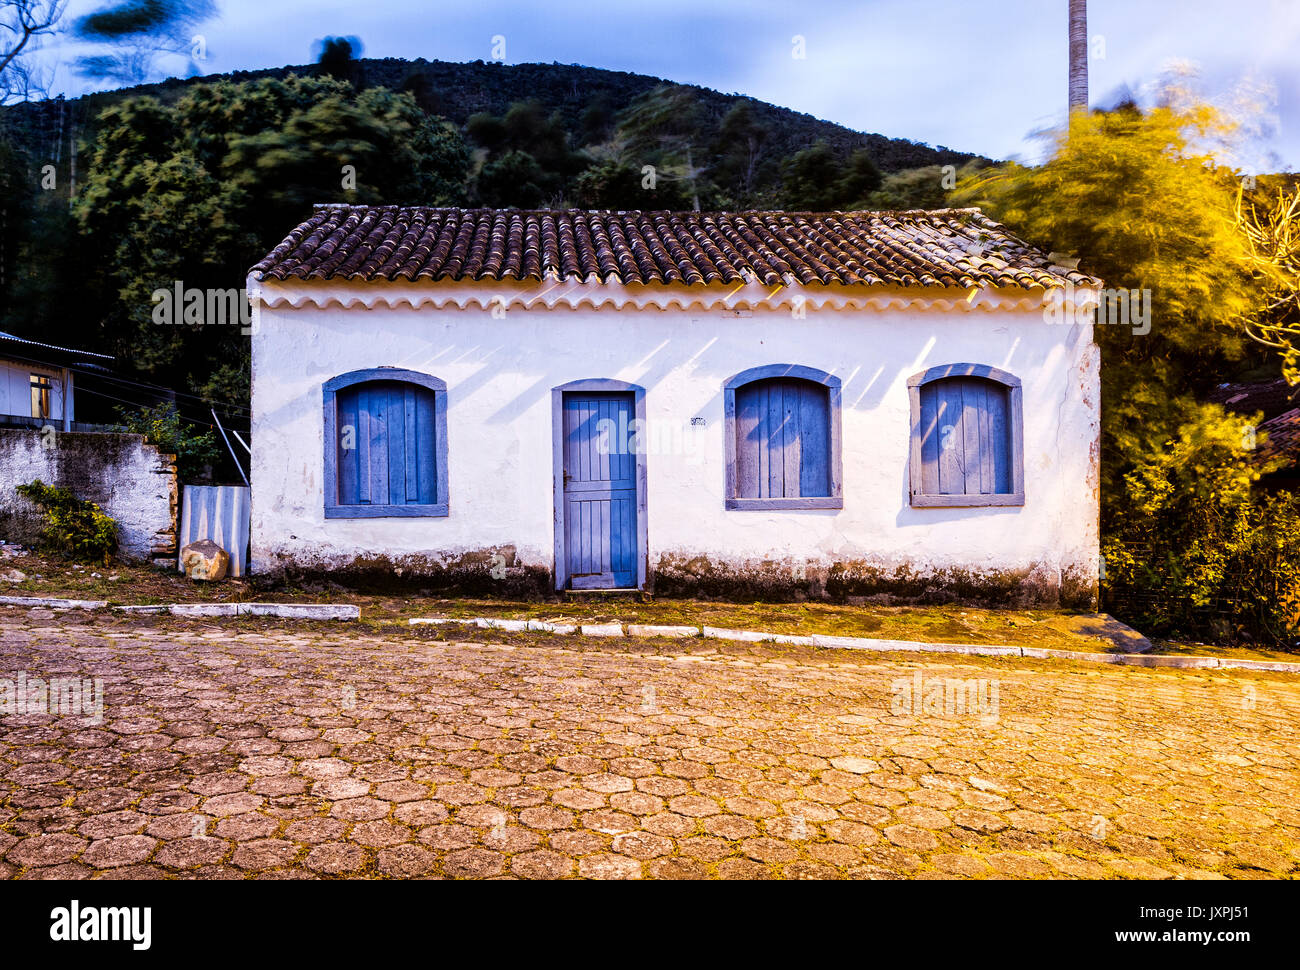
<point>336,57</point>
<point>809,178</point>
<point>816,180</point>
<point>527,159</point>
<point>665,129</point>
<point>739,149</point>
<point>514,179</point>
<point>417,85</point>
<point>598,117</point>
<point>919,188</point>
<point>618,185</point>
<point>197,191</point>
<point>861,177</point>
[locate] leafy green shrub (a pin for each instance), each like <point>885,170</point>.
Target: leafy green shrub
<point>1196,549</point>
<point>162,426</point>
<point>73,527</point>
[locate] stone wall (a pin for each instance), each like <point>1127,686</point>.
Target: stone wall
<point>131,481</point>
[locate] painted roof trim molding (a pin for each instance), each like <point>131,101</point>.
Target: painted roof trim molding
<point>551,295</point>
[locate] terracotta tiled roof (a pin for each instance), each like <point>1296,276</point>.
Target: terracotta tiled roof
<point>956,248</point>
<point>1283,435</point>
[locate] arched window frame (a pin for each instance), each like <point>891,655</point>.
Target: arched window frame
<point>798,372</point>
<point>331,389</point>
<point>1015,417</point>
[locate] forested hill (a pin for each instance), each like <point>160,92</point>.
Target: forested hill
<point>111,198</point>
<point>460,90</point>
<point>588,99</point>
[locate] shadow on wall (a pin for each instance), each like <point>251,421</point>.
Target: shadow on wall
<point>867,384</point>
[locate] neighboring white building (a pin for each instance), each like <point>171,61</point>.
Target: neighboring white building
<point>36,382</point>
<point>748,403</point>
<point>131,480</point>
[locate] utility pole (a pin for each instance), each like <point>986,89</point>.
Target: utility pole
<point>1078,54</point>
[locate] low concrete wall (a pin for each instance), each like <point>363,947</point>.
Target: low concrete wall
<point>131,481</point>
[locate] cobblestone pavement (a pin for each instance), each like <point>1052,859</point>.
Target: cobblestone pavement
<point>295,752</point>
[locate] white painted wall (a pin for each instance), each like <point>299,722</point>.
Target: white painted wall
<point>16,389</point>
<point>500,373</point>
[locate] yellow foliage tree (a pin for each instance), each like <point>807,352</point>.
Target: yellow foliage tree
<point>1270,227</point>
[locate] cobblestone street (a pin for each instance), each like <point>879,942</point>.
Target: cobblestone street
<point>323,752</point>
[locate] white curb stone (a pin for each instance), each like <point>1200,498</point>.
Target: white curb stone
<point>650,630</point>
<point>864,643</point>
<point>546,626</point>
<point>882,646</point>
<point>602,629</point>
<point>205,609</point>
<point>1038,653</point>
<point>302,611</point>
<point>745,636</point>
<point>55,604</point>
<point>1274,665</point>
<point>285,611</point>
<point>1143,660</point>
<point>972,649</point>
<point>493,623</point>
<point>1103,658</point>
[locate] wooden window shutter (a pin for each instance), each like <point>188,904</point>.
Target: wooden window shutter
<point>965,426</point>
<point>783,440</point>
<point>387,445</point>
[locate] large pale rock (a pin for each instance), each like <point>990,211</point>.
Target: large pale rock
<point>205,560</point>
<point>12,575</point>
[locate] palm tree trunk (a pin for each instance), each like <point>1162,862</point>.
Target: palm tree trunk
<point>1078,54</point>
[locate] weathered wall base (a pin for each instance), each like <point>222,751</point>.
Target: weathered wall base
<point>497,570</point>
<point>500,571</point>
<point>131,481</point>
<point>1039,584</point>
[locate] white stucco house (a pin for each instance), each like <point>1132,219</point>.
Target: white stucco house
<point>749,403</point>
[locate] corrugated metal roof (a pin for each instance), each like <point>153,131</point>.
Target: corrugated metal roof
<point>13,338</point>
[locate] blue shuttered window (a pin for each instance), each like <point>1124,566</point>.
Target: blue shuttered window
<point>386,449</point>
<point>385,445</point>
<point>782,440</point>
<point>966,447</point>
<point>965,438</point>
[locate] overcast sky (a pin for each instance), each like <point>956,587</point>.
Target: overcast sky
<point>975,76</point>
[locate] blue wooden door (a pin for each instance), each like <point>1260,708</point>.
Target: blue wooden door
<point>600,508</point>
